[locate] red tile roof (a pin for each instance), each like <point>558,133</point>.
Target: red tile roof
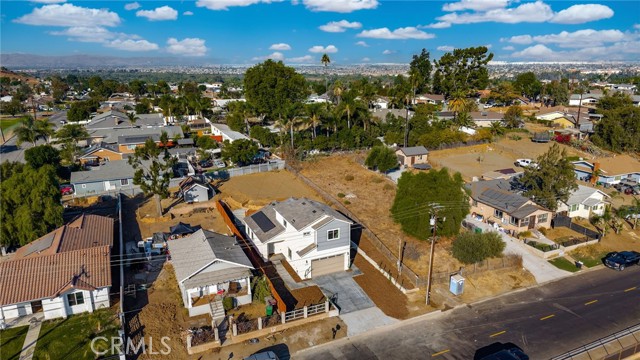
<point>47,276</point>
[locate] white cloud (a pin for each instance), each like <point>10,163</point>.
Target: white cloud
<point>365,59</point>
<point>159,14</point>
<point>534,52</point>
<point>95,34</point>
<point>340,6</point>
<point>625,50</point>
<point>520,39</point>
<point>476,5</point>
<point>438,25</point>
<point>278,56</point>
<point>388,52</point>
<point>362,43</point>
<point>400,33</point>
<point>69,15</point>
<point>226,4</point>
<point>48,1</point>
<point>445,48</point>
<point>187,13</point>
<point>132,6</point>
<point>280,46</point>
<point>508,48</point>
<point>300,59</point>
<point>580,14</point>
<point>636,26</point>
<point>528,12</point>
<point>132,45</point>
<point>187,47</point>
<point>340,26</point>
<point>330,49</point>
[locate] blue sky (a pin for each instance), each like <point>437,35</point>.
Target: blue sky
<point>300,31</point>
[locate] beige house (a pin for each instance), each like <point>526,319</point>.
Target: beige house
<point>494,202</point>
<point>410,156</point>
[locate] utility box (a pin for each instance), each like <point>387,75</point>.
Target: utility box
<point>456,284</point>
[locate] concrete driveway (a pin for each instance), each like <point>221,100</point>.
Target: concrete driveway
<point>350,296</point>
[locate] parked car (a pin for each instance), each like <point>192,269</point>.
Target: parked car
<point>266,355</point>
<point>632,190</point>
<point>525,163</point>
<point>205,163</point>
<point>620,260</point>
<point>66,189</point>
<point>500,351</point>
<point>218,164</point>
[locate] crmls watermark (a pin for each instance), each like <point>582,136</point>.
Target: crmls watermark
<point>115,345</point>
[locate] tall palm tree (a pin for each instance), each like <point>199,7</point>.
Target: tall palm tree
<point>27,131</point>
<point>325,60</point>
<point>458,102</point>
<point>69,135</point>
<point>133,118</point>
<point>314,119</point>
<point>290,120</point>
<point>496,128</point>
<point>44,129</point>
<point>463,119</point>
<point>338,89</point>
<point>635,204</point>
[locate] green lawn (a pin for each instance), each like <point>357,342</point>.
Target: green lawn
<point>11,341</point>
<point>590,261</point>
<point>5,123</point>
<point>563,264</point>
<point>70,338</point>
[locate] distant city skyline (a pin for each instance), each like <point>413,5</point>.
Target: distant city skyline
<point>300,31</point>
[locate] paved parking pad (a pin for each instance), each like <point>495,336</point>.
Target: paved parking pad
<point>350,296</point>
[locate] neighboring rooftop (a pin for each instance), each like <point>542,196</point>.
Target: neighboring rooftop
<point>498,193</point>
<point>414,150</point>
<point>112,135</point>
<point>110,170</point>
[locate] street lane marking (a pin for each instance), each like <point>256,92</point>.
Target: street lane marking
<point>547,317</point>
<point>630,289</point>
<point>591,302</point>
<point>440,353</point>
<point>498,333</point>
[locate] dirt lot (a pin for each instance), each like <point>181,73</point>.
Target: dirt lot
<point>256,190</point>
<point>561,232</point>
<point>473,161</point>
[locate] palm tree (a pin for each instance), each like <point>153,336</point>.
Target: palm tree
<point>69,135</point>
<point>44,129</point>
<point>617,223</point>
<point>290,120</point>
<point>496,128</point>
<point>463,119</point>
<point>635,204</point>
<point>348,107</point>
<point>458,102</point>
<point>27,131</point>
<point>338,89</point>
<point>325,60</point>
<point>314,113</point>
<point>133,118</point>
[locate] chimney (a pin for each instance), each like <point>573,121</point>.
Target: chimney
<point>596,167</point>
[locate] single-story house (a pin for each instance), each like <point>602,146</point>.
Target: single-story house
<point>433,99</point>
<point>381,102</point>
<point>584,99</point>
<point>65,272</point>
<point>410,156</point>
<point>222,132</point>
<point>210,266</point>
<point>612,169</point>
<point>100,153</point>
<point>114,119</point>
<point>485,118</point>
<point>112,136</point>
<point>318,99</point>
<point>382,114</point>
<point>111,176</point>
<point>314,238</point>
<point>495,202</point>
<point>584,202</point>
<point>194,190</point>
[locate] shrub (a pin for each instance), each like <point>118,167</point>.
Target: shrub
<point>347,202</point>
<point>349,177</point>
<point>470,247</point>
<point>341,195</point>
<point>227,303</point>
<point>515,137</point>
<point>381,158</point>
<point>376,180</point>
<point>260,289</point>
<point>524,234</point>
<point>543,230</point>
<point>387,187</point>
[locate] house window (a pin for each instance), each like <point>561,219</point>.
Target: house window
<point>524,222</point>
<point>131,147</point>
<point>289,253</point>
<point>306,233</point>
<point>542,218</point>
<point>333,234</point>
<point>75,299</point>
<point>586,207</point>
<point>574,207</point>
<point>124,182</point>
<point>498,213</point>
<point>513,221</point>
<point>617,178</point>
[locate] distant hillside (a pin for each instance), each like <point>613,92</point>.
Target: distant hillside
<point>17,76</point>
<point>21,61</point>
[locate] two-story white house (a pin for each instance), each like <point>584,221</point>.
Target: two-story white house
<point>584,202</point>
<point>314,238</point>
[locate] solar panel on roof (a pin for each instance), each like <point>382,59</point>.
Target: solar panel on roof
<point>42,244</point>
<point>263,221</point>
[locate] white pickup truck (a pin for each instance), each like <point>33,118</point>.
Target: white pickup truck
<point>526,163</point>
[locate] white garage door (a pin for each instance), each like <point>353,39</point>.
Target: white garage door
<point>327,265</point>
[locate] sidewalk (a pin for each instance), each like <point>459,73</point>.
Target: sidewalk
<point>538,267</point>
<point>31,339</point>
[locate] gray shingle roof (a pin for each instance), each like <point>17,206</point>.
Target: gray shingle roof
<point>192,253</point>
<point>498,194</point>
<point>414,150</point>
<point>115,118</point>
<point>113,135</point>
<point>111,170</point>
<point>298,213</point>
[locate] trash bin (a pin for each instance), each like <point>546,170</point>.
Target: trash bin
<point>478,230</point>
<point>579,264</point>
<point>269,310</point>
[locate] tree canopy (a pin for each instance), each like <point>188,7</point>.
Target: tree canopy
<point>619,128</point>
<point>382,159</point>
<point>527,84</point>
<point>420,72</point>
<point>552,180</point>
<point>415,192</point>
<point>39,156</point>
<point>470,247</point>
<point>30,203</point>
<point>271,86</point>
<point>462,70</point>
<point>240,151</point>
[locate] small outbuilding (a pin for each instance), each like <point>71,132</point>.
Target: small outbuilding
<point>193,190</point>
<point>410,156</point>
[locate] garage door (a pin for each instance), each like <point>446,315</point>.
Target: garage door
<point>327,265</point>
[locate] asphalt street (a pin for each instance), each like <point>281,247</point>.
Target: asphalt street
<point>544,321</point>
<point>10,151</point>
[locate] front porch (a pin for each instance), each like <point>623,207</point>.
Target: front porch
<point>208,298</point>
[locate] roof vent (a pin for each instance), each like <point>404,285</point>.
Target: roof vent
<point>313,211</point>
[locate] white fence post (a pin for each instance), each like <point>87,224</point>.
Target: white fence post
<point>326,306</point>
<point>306,312</point>
<point>282,316</point>
<point>260,323</point>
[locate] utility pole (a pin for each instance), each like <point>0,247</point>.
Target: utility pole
<point>400,252</point>
<point>433,222</point>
